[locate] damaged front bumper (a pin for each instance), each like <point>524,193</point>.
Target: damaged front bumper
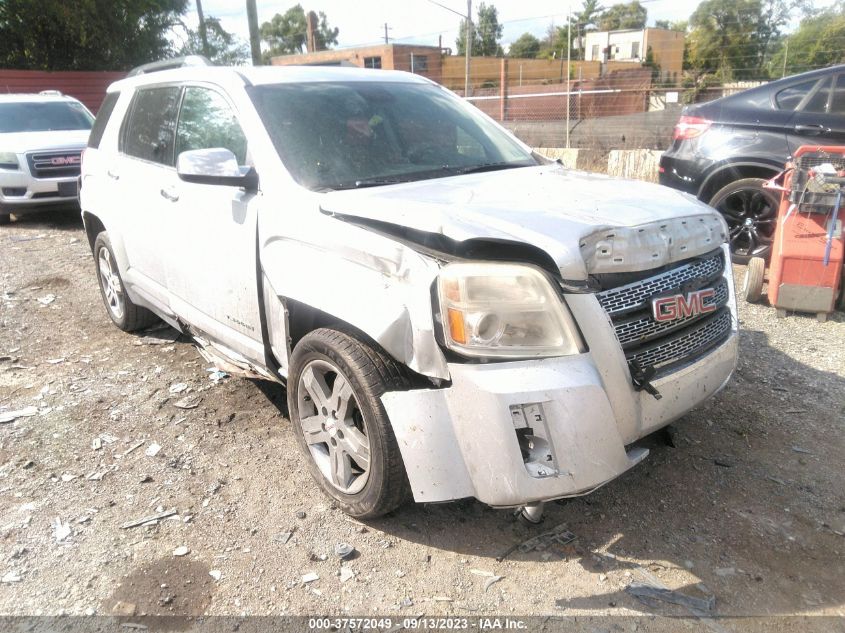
<point>521,432</point>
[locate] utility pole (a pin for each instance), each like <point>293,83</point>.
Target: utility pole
<point>568,73</point>
<point>468,51</point>
<point>203,31</point>
<point>254,41</point>
<point>386,29</point>
<point>468,46</point>
<point>785,56</point>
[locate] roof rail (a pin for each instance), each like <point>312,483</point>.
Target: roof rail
<point>51,93</point>
<point>168,64</point>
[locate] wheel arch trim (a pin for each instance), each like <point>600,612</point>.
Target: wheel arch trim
<point>720,170</point>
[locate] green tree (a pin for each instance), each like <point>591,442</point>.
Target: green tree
<point>86,34</point>
<point>485,32</point>
<point>286,34</point>
<point>623,16</point>
<point>723,39</point>
<point>819,41</point>
<point>224,49</point>
<point>526,46</point>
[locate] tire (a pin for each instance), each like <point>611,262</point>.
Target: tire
<point>752,287</point>
<point>335,431</point>
<point>124,314</point>
<point>751,213</point>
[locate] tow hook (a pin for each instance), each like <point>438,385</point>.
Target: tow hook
<point>532,512</point>
<point>641,377</point>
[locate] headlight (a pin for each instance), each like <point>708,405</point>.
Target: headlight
<point>504,310</point>
<point>8,160</point>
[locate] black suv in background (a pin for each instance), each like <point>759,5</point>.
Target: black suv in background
<point>724,150</point>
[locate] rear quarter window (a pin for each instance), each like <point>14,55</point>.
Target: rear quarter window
<point>103,116</point>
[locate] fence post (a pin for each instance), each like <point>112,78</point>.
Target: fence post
<point>503,90</point>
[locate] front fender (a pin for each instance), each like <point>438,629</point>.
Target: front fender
<point>366,280</point>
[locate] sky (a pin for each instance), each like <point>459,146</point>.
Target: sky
<point>420,21</point>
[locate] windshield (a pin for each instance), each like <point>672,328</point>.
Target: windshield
<point>346,135</point>
<point>43,116</point>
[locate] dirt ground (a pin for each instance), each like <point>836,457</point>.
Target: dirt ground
<point>747,507</point>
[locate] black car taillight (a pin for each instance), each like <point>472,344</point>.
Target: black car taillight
<point>691,127</point>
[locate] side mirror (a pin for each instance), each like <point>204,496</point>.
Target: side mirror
<point>215,166</point>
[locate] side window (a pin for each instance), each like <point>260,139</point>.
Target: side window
<point>207,121</point>
<point>818,100</point>
<point>789,98</point>
<point>837,106</point>
<point>152,123</point>
<point>102,119</point>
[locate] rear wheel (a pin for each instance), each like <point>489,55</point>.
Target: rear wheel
<point>123,313</point>
<point>752,288</point>
<point>334,399</point>
<point>751,213</point>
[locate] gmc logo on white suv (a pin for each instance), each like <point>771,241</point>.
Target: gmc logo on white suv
<point>681,306</point>
<point>59,161</point>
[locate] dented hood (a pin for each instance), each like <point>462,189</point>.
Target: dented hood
<point>587,223</point>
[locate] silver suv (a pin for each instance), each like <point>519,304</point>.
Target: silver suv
<point>41,141</point>
<point>453,315</point>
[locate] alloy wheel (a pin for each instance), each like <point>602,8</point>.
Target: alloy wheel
<point>110,283</point>
<point>334,427</point>
<point>751,216</point>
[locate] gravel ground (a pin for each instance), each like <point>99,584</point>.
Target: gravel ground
<point>747,506</point>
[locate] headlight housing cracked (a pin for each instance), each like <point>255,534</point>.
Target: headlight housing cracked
<point>504,310</point>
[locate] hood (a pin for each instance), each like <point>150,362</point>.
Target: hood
<point>587,223</point>
<point>21,142</point>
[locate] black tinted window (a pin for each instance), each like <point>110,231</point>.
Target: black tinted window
<point>206,121</point>
<point>44,116</point>
<point>152,123</point>
<point>818,100</point>
<point>789,98</point>
<point>837,106</point>
<point>102,119</point>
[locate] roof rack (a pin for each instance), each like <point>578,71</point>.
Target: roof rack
<point>51,93</point>
<point>169,64</point>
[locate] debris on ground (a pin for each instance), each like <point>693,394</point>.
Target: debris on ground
<point>96,444</point>
<point>188,402</point>
<point>122,608</point>
<point>309,577</point>
<point>346,574</point>
<point>46,299</point>
<point>283,537</point>
<point>557,536</point>
<point>181,551</point>
<point>216,375</point>
<point>649,595</point>
<point>10,576</point>
<point>492,581</point>
<point>216,574</point>
<point>61,530</point>
<point>11,416</point>
<point>798,449</point>
<point>148,519</point>
<point>152,450</point>
<point>134,447</point>
<point>178,387</point>
<point>343,550</point>
<point>300,515</point>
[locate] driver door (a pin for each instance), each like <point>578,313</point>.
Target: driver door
<point>212,274</point>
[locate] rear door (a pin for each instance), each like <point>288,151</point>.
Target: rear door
<point>819,111</point>
<point>140,171</point>
<point>212,269</point>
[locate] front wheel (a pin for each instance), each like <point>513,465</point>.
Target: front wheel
<point>334,389</point>
<point>751,213</point>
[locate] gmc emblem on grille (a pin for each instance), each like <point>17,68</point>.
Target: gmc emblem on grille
<point>58,161</point>
<point>683,306</point>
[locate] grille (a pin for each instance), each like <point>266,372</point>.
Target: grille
<point>655,344</point>
<point>57,164</point>
<point>693,341</point>
<point>637,295</point>
<point>640,329</point>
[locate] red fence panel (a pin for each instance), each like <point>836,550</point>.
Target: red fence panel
<point>87,86</point>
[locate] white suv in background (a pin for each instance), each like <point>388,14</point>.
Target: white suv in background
<point>453,315</point>
<point>41,141</point>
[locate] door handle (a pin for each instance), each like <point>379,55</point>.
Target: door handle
<point>113,175</point>
<point>169,194</point>
<point>811,130</point>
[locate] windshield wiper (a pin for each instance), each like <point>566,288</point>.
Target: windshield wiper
<point>475,169</point>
